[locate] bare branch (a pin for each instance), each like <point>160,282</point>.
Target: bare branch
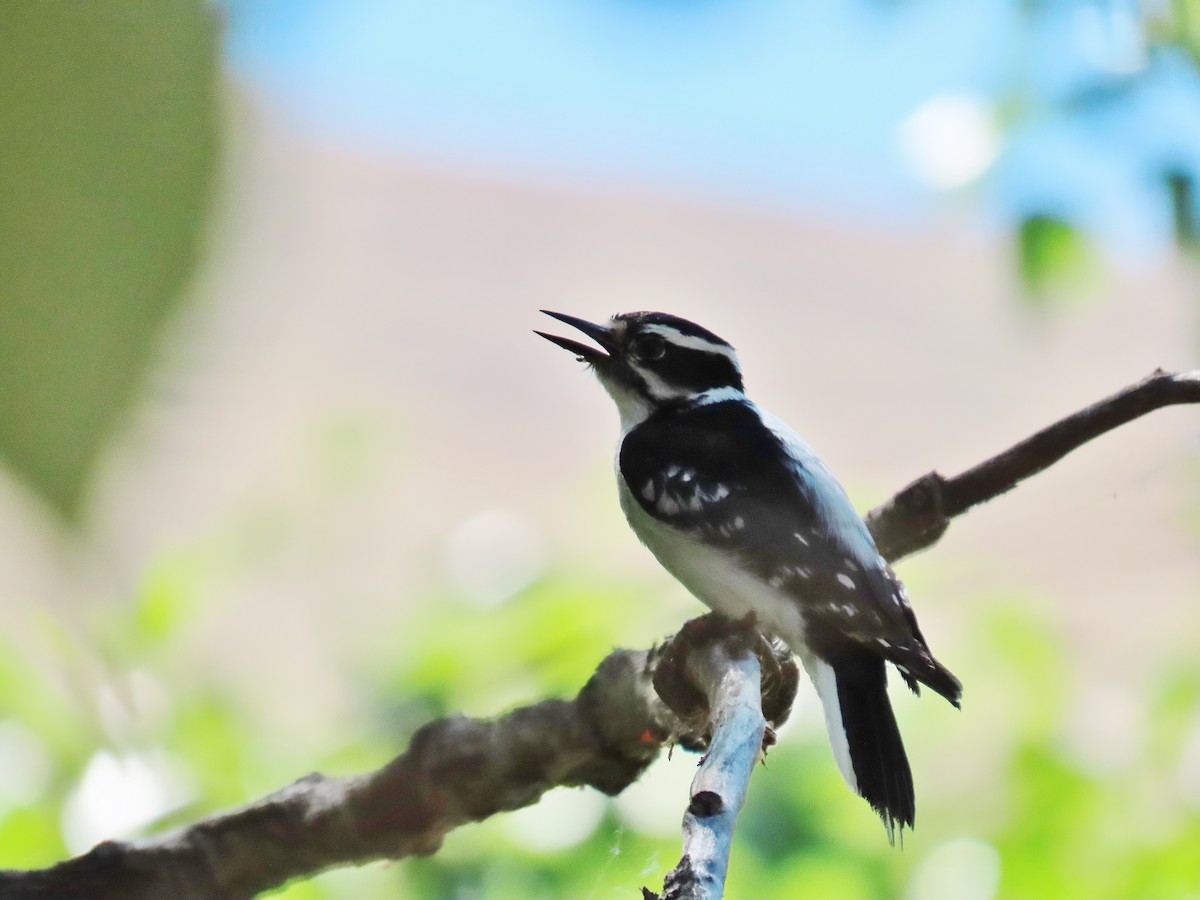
<point>460,770</point>
<point>456,770</point>
<point>918,516</point>
<point>719,789</point>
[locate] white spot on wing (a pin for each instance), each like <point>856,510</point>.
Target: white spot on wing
<point>800,538</point>
<point>845,580</point>
<point>720,492</point>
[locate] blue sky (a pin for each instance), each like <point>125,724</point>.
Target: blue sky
<point>801,103</point>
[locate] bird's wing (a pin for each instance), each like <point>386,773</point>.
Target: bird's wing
<point>724,477</point>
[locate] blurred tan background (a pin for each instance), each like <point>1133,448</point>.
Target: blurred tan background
<point>372,313</point>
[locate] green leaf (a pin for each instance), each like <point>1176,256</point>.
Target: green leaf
<point>1181,187</point>
<point>107,162</point>
<point>1053,255</point>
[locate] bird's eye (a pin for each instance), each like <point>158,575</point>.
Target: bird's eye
<point>648,347</point>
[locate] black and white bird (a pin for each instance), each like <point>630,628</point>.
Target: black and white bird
<point>750,520</point>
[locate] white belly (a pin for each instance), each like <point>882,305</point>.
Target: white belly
<point>714,577</point>
<point>722,585</point>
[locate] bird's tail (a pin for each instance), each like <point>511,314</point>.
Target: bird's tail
<point>866,742</point>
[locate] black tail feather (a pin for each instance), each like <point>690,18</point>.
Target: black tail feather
<point>916,664</point>
<point>873,738</point>
<point>941,680</point>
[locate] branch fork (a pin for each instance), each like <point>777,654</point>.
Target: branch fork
<point>713,686</point>
<point>741,686</point>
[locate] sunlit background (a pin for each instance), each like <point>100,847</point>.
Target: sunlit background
<point>351,491</point>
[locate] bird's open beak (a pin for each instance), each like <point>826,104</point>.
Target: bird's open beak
<point>601,334</point>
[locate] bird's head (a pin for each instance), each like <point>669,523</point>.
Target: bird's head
<point>650,360</point>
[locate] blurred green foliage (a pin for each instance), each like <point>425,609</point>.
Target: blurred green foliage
<point>106,169</point>
<point>1008,806</point>
<point>1176,24</point>
<point>1052,256</point>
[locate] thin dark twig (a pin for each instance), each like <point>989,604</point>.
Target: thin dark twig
<point>919,515</point>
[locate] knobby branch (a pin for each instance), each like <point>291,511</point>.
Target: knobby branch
<point>458,770</point>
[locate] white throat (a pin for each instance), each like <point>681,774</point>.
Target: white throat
<point>634,408</point>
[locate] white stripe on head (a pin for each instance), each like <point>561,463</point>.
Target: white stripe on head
<point>694,342</point>
<point>660,389</point>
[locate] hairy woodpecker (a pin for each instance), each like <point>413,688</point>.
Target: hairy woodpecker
<point>750,520</point>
